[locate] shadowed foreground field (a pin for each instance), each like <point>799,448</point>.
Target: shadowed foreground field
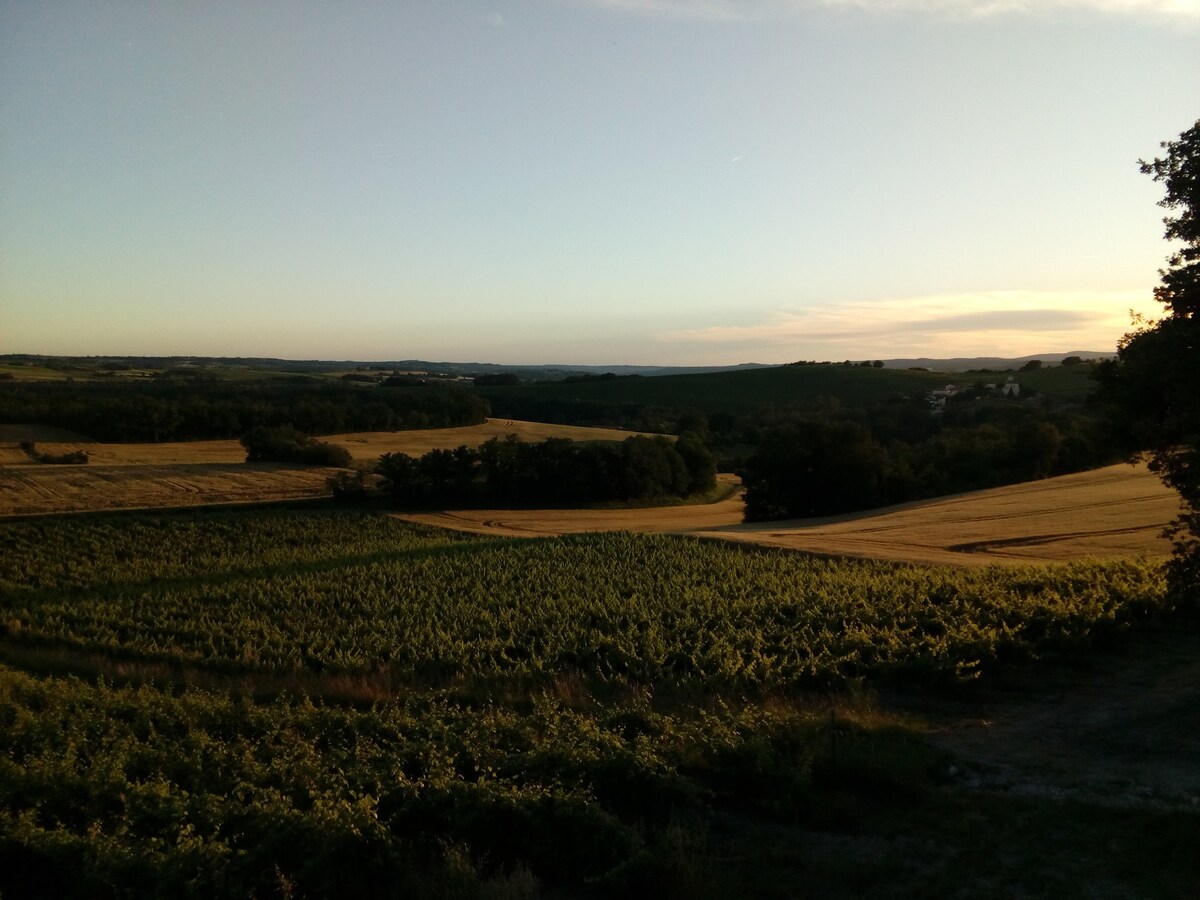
<point>332,703</point>
<point>1117,511</point>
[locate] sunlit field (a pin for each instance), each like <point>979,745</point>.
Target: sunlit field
<point>121,476</point>
<point>1117,511</point>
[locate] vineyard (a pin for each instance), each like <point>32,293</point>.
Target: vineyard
<point>354,593</point>
<point>281,703</point>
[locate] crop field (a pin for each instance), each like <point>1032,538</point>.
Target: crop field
<point>272,702</point>
<point>362,445</point>
<point>37,490</point>
<point>122,476</point>
<point>259,589</point>
<point>1117,511</point>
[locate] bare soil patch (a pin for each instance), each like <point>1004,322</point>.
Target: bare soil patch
<point>1117,511</point>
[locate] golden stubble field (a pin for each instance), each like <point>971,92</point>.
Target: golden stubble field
<point>1117,511</point>
<point>131,476</point>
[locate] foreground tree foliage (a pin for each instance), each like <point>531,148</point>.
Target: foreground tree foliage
<point>1156,379</point>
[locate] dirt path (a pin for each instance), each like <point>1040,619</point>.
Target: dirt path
<point>1124,730</point>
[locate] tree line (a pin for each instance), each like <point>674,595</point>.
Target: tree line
<point>557,471</point>
<point>826,466</point>
<point>196,409</point>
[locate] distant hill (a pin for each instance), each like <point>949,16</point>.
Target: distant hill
<point>996,363</point>
<point>534,372</point>
<point>557,371</point>
<point>815,385</point>
<point>547,372</point>
<point>726,391</point>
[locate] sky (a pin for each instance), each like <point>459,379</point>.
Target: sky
<point>671,182</point>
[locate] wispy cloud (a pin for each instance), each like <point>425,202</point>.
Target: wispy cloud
<point>974,324</point>
<point>734,10</point>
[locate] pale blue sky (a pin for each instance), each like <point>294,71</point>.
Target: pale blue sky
<point>588,181</point>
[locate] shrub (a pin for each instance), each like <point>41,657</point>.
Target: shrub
<point>286,444</point>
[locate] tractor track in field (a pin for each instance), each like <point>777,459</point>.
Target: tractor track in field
<point>1117,511</point>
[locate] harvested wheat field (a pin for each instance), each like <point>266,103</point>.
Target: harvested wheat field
<point>371,445</point>
<point>13,455</point>
<point>188,473</point>
<point>363,446</point>
<point>35,490</point>
<point>1117,511</point>
<point>12,436</point>
<point>552,522</point>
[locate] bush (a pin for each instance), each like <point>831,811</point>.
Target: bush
<point>73,457</point>
<point>348,487</point>
<point>287,445</point>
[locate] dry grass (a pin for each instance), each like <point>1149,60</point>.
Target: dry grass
<point>1118,511</point>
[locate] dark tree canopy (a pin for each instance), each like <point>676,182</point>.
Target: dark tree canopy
<point>552,472</point>
<point>179,408</point>
<point>819,468</point>
<point>1156,379</point>
<point>287,445</point>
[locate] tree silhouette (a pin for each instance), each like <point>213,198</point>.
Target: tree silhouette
<point>1156,378</point>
